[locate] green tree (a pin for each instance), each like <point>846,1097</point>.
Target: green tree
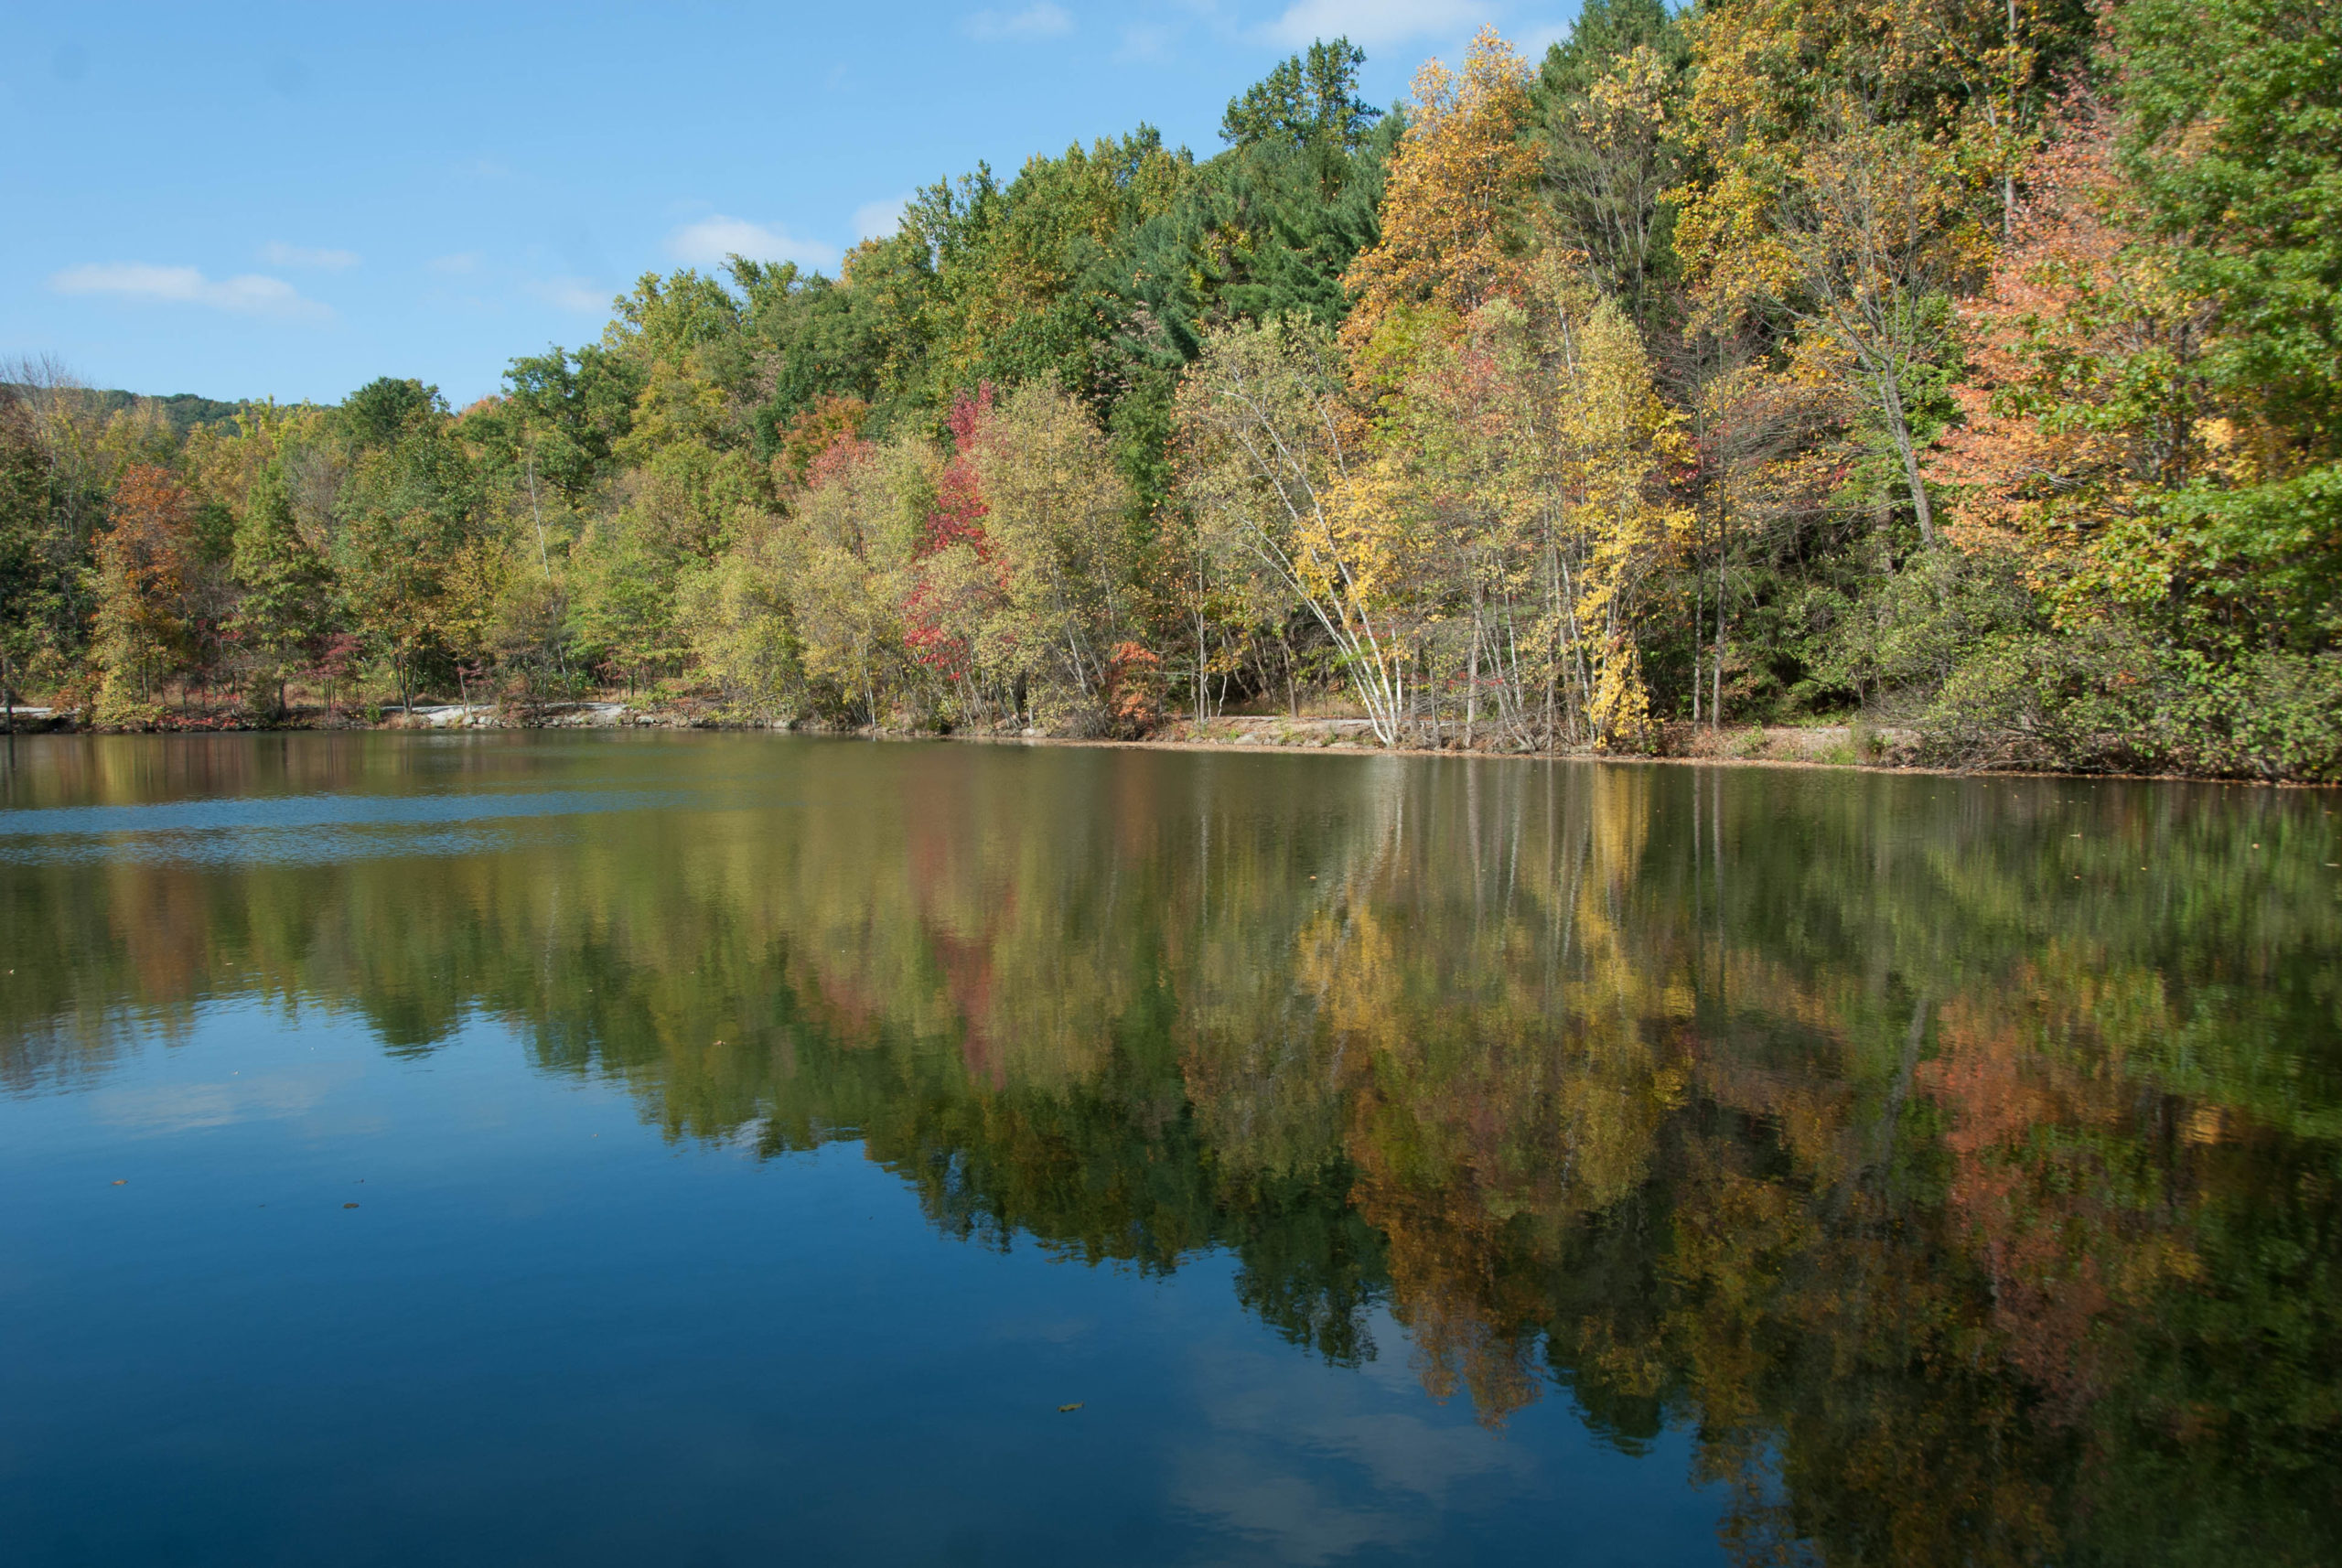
<point>1307,99</point>
<point>286,592</point>
<point>2231,127</point>
<point>1609,102</point>
<point>574,409</point>
<point>386,408</point>
<point>27,589</point>
<point>406,513</point>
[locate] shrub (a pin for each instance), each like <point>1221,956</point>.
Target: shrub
<point>2109,702</point>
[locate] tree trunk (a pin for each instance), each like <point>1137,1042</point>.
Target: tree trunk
<point>1899,427</point>
<point>1715,665</point>
<point>1472,675</point>
<point>1199,662</point>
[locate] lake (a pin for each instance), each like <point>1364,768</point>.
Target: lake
<point>711,1149</point>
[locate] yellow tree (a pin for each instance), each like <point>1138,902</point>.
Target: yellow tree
<point>844,562</point>
<point>1447,470</point>
<point>1523,462</point>
<point>1055,515</point>
<point>1836,200</point>
<point>1455,225</point>
<point>1615,431</point>
<point>1273,449</point>
<point>1857,234</point>
<point>141,563</point>
<point>1270,468</point>
<point>742,627</point>
<point>479,580</point>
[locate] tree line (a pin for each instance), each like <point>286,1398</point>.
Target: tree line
<point>1973,367</point>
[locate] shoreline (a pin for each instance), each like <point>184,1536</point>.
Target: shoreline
<point>1819,748</point>
<point>1908,769</point>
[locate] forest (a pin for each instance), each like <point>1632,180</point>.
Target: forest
<point>1970,368</point>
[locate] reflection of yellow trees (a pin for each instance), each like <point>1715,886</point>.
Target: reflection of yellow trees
<point>1463,982</point>
<point>1963,1190</point>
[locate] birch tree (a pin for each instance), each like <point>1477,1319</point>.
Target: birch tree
<point>1271,466</point>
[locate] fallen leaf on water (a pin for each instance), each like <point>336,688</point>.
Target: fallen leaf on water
<point>1063,1408</point>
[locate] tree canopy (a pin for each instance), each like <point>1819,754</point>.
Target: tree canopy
<point>1969,373</point>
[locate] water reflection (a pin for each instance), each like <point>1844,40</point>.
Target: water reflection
<point>1958,1158</point>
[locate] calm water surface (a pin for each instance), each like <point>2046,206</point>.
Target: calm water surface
<point>705,1149</point>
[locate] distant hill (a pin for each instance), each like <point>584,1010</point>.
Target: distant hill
<point>184,409</point>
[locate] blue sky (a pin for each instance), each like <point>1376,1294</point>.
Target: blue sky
<point>288,201</point>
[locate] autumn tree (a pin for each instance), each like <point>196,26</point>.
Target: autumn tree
<point>1857,235</point>
<point>1270,465</point>
<point>142,564</point>
<point>1056,519</point>
<point>2102,433</point>
<point>847,555</point>
<point>1456,214</point>
<point>1523,460</point>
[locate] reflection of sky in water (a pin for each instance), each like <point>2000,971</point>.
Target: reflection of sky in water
<point>259,847</point>
<point>1310,1467</point>
<point>296,829</point>
<point>730,1360</point>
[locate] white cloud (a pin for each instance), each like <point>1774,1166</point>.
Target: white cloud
<point>277,254</point>
<point>250,294</point>
<point>193,1107</point>
<point>461,261</point>
<point>571,293</point>
<point>708,242</point>
<point>877,219</point>
<point>1380,1463</point>
<point>1039,20</point>
<point>1144,40</point>
<point>1373,22</point>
